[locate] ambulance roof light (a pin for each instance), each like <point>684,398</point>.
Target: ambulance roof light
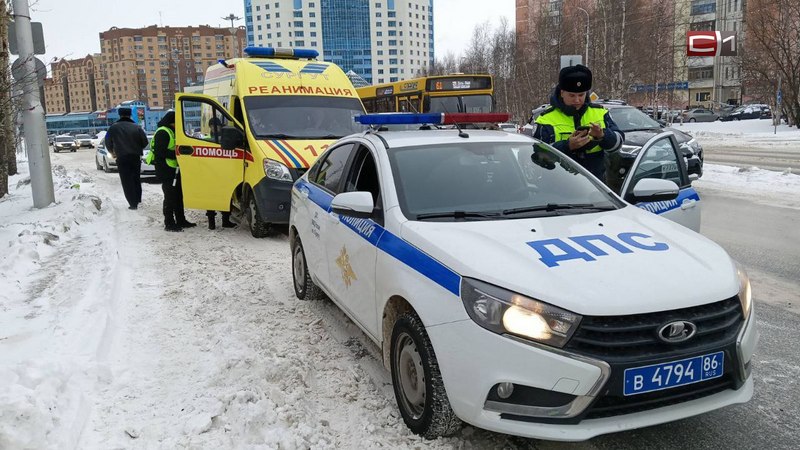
<point>305,53</point>
<point>431,118</point>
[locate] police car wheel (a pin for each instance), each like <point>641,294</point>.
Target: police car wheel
<point>304,286</point>
<point>106,169</point>
<point>418,386</point>
<point>99,166</point>
<point>258,228</point>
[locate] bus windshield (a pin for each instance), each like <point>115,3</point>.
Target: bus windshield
<point>302,116</point>
<point>462,104</point>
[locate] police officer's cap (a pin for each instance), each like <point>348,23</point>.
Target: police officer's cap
<point>124,112</point>
<point>575,79</point>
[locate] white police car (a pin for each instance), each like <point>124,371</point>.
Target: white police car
<point>510,289</point>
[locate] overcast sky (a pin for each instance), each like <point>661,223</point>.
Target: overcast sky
<point>72,27</point>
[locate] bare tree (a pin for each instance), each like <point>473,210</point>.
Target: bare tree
<point>772,53</point>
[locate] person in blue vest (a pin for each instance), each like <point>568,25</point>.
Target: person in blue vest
<point>582,130</point>
<point>169,175</point>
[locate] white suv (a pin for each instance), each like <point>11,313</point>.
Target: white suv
<point>510,289</point>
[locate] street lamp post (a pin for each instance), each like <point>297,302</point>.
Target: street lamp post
<point>586,58</point>
<point>232,29</point>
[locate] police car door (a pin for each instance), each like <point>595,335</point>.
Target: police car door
<point>351,245</point>
<point>661,158</point>
<point>209,173</point>
<point>313,220</point>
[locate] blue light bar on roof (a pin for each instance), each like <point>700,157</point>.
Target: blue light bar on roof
<point>399,119</point>
<point>306,53</point>
<point>431,118</point>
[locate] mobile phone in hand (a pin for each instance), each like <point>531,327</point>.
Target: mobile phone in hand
<point>583,128</point>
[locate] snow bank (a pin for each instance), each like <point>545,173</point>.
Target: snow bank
<point>46,322</point>
<point>751,181</point>
<point>744,133</point>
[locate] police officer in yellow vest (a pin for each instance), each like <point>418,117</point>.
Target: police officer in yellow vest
<point>582,130</point>
<point>168,174</point>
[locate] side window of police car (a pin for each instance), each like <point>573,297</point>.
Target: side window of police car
<point>330,171</point>
<point>363,177</point>
<point>660,161</point>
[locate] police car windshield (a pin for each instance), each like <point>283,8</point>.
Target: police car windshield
<point>492,181</point>
<point>631,119</point>
<point>302,116</point>
<point>462,103</point>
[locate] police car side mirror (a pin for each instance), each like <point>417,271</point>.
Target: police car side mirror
<point>231,138</point>
<point>655,190</point>
<point>353,204</point>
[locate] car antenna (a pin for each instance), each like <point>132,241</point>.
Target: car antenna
<point>461,133</point>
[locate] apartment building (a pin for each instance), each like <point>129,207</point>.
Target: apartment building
<point>76,85</point>
<point>380,40</point>
<point>145,64</point>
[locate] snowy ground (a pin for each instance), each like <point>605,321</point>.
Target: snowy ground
<point>115,334</point>
<point>755,133</point>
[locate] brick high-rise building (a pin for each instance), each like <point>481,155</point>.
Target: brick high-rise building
<point>146,64</point>
<point>77,85</point>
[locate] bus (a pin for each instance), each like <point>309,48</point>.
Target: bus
<point>444,93</point>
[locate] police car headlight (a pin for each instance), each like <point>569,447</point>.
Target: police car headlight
<point>629,149</point>
<point>505,312</point>
<point>745,296</point>
<point>277,171</point>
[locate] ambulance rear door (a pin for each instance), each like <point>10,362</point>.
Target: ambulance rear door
<point>209,173</point>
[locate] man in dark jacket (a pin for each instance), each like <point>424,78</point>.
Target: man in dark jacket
<point>582,130</point>
<point>126,140</point>
<point>169,175</point>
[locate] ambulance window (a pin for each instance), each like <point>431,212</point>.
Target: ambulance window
<point>331,169</point>
<point>202,120</point>
<point>237,111</point>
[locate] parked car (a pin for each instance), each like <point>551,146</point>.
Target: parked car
<point>700,115</point>
<point>639,128</point>
<point>749,112</point>
<point>84,140</point>
<point>64,143</point>
<point>147,169</point>
<point>103,159</point>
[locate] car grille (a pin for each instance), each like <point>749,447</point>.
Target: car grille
<point>608,406</point>
<point>634,337</point>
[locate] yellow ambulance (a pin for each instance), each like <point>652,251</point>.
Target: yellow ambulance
<point>260,123</point>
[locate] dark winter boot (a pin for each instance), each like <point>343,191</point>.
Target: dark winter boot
<point>172,227</point>
<point>226,221</point>
<point>212,220</point>
<point>186,224</point>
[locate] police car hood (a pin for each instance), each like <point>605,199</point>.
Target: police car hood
<point>627,261</point>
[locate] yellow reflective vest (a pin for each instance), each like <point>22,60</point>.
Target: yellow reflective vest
<point>151,156</point>
<point>564,125</point>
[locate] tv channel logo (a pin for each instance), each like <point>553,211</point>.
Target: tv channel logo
<point>711,43</point>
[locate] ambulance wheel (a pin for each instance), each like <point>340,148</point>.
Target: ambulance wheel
<point>418,386</point>
<point>304,286</point>
<point>258,228</point>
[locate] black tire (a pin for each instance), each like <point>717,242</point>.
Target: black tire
<point>55,150</point>
<point>421,398</point>
<point>304,287</point>
<point>258,228</point>
<point>692,120</point>
<point>106,169</point>
<point>99,166</point>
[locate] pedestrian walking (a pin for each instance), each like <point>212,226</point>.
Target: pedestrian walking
<point>169,174</point>
<point>125,140</point>
<point>580,129</point>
